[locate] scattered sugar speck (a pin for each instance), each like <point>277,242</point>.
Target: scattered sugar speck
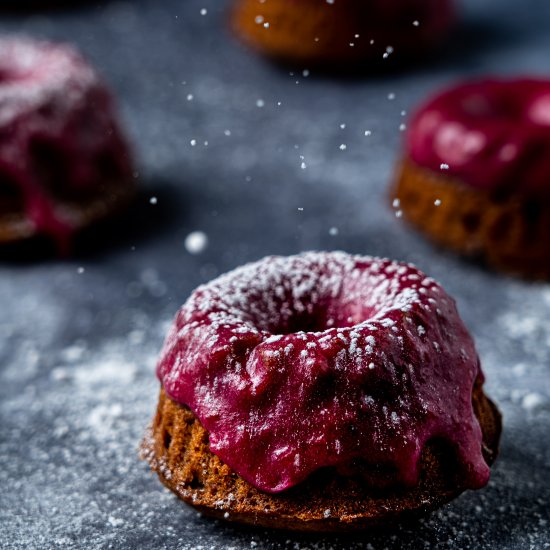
<point>196,242</point>
<point>115,522</point>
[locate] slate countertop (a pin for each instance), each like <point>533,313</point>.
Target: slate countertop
<point>220,136</point>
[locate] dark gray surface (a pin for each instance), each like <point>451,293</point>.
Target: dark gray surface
<point>78,347</point>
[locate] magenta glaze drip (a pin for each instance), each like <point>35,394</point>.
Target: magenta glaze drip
<point>491,134</point>
<point>52,101</point>
<point>293,364</point>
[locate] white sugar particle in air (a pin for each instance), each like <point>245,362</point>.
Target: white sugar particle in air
<point>196,242</point>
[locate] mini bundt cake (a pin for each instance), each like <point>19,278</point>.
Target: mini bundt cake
<point>64,163</point>
<point>475,175</point>
<point>343,32</point>
<point>321,392</point>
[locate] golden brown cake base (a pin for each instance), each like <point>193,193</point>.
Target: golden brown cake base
<point>16,226</point>
<point>176,447</point>
<point>510,231</point>
<point>317,33</point>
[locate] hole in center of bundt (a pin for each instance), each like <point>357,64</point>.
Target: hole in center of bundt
<point>303,322</point>
<point>314,317</point>
<point>308,297</point>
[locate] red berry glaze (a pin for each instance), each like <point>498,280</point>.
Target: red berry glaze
<point>491,134</point>
<point>59,140</point>
<point>325,359</point>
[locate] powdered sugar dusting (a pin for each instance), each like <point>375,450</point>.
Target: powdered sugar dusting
<point>37,74</point>
<point>259,353</point>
